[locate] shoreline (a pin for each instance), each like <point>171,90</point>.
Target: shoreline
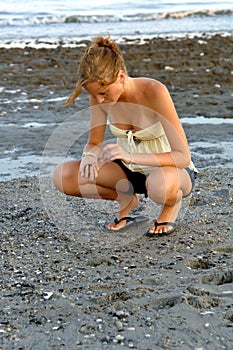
<point>136,39</point>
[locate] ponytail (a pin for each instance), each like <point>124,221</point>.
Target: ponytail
<point>100,63</point>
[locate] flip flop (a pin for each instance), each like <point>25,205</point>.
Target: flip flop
<point>156,224</point>
<point>130,221</point>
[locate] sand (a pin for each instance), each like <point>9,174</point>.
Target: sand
<point>63,291</point>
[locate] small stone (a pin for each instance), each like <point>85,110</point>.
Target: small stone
<point>119,337</point>
<point>120,314</point>
<point>119,324</point>
<point>105,339</point>
<point>47,295</point>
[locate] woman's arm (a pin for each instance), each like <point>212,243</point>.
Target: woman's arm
<point>98,121</point>
<point>159,100</point>
<point>98,118</point>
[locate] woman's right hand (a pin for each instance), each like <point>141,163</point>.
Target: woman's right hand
<point>89,167</point>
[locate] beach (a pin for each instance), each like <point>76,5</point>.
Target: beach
<point>59,291</point>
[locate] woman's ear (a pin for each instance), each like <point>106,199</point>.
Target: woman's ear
<point>121,76</point>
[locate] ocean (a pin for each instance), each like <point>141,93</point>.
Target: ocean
<point>55,22</point>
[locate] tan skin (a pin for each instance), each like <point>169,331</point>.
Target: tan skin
<point>106,179</point>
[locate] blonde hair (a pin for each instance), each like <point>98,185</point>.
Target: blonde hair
<point>101,63</point>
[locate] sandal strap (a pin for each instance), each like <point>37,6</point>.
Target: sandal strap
<point>127,218</point>
<point>165,223</point>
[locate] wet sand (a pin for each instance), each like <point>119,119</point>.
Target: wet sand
<point>171,292</point>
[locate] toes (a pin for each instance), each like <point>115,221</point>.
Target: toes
<point>158,230</point>
<point>113,226</point>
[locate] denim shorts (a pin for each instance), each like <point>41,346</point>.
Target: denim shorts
<point>138,180</point>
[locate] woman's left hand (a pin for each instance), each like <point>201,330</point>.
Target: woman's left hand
<point>114,151</point>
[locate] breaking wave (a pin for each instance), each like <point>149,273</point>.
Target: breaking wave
<point>49,19</point>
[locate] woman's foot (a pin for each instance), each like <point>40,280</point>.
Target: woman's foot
<point>165,224</point>
<point>167,228</point>
<point>124,210</point>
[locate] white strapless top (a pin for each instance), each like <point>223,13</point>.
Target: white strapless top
<point>150,140</point>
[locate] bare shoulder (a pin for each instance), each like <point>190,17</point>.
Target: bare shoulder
<point>156,96</point>
<point>152,88</point>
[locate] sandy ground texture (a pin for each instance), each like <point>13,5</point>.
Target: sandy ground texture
<point>171,292</point>
<point>69,291</point>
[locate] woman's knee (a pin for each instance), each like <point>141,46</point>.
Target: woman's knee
<point>163,185</point>
<point>63,175</point>
<point>57,177</point>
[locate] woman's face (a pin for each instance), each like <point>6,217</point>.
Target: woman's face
<point>106,93</point>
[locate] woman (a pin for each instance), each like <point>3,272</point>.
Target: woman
<point>152,154</point>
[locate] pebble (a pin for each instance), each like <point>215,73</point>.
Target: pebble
<point>119,324</point>
<point>47,295</point>
<point>119,337</point>
<point>99,320</point>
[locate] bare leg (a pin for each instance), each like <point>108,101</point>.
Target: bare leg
<point>111,184</point>
<point>124,210</point>
<point>167,186</point>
